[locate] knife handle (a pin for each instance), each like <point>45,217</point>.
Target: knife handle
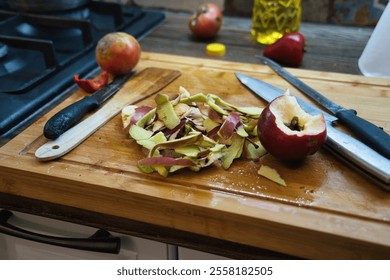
<point>68,117</point>
<point>369,133</point>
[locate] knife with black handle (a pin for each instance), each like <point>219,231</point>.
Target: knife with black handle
<point>71,115</point>
<point>369,133</point>
<point>355,153</point>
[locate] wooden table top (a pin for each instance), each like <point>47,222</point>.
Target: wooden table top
<point>330,48</point>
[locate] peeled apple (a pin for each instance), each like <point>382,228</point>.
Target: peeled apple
<point>289,133</point>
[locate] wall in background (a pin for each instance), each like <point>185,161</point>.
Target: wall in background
<point>179,5</point>
<point>358,12</point>
<point>351,12</point>
<point>346,12</point>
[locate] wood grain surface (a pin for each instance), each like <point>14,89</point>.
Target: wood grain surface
<point>328,47</point>
<point>327,211</point>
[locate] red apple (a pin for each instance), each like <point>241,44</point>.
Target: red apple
<point>289,133</point>
<point>118,53</point>
<point>287,50</point>
<point>206,21</point>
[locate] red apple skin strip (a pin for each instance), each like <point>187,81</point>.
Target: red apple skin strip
<point>228,127</point>
<point>139,113</point>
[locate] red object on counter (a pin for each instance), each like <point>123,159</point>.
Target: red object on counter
<point>92,85</point>
<point>287,50</point>
<point>206,21</point>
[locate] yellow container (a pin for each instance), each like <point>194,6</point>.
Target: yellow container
<point>273,18</point>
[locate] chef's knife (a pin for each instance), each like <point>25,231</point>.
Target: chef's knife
<point>72,114</point>
<point>358,155</point>
<point>369,133</point>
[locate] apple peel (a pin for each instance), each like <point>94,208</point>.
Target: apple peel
<point>271,174</point>
<point>229,125</point>
<point>132,114</point>
<point>166,112</point>
<point>202,129</point>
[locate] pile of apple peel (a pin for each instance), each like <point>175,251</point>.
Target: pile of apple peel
<point>192,132</point>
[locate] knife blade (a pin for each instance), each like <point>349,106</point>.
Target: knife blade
<point>72,114</point>
<point>369,133</point>
<point>358,155</point>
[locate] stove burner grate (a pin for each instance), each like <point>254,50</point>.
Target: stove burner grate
<point>55,40</point>
<point>38,65</point>
<point>3,50</point>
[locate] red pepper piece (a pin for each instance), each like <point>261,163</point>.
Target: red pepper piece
<point>287,50</point>
<point>92,85</point>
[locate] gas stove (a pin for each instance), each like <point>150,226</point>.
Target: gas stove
<point>40,54</point>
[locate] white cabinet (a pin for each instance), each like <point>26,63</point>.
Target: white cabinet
<point>16,248</point>
<point>132,248</point>
<point>188,254</point>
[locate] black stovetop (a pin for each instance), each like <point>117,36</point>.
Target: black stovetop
<point>40,54</point>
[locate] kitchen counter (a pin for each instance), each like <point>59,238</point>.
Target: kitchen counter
<point>335,214</point>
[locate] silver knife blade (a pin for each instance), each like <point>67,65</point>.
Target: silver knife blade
<point>358,155</point>
<point>369,133</point>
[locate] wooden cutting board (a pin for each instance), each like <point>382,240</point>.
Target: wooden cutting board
<point>326,211</point>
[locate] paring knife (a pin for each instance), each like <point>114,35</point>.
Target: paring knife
<point>71,115</point>
<point>355,153</point>
<point>369,133</point>
<point>144,84</point>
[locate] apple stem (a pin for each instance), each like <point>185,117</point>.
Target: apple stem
<point>251,141</point>
<point>203,9</point>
